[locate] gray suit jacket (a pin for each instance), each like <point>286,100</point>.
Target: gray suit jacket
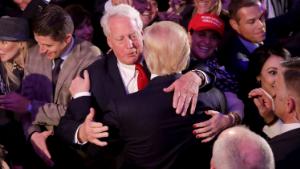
<point>37,84</point>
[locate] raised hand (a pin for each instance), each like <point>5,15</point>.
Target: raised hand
<point>80,84</point>
<point>92,131</point>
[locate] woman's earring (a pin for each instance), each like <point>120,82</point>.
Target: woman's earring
<point>258,82</point>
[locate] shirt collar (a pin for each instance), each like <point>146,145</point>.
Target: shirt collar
<point>69,49</point>
<point>289,126</point>
<point>249,45</point>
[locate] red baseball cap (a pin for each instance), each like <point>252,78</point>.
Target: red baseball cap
<point>201,22</point>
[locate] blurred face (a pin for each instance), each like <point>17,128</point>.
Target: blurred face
<point>125,39</point>
<point>52,48</point>
<point>148,10</point>
<point>281,96</point>
<point>9,50</point>
<point>269,73</point>
<point>22,3</point>
<point>204,6</point>
<point>251,24</point>
<point>85,30</point>
<point>204,43</point>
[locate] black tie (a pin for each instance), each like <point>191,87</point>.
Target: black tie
<point>55,71</point>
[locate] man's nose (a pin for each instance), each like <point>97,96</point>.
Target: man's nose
<point>42,50</point>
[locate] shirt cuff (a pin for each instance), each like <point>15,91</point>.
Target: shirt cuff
<point>76,140</point>
<point>81,94</point>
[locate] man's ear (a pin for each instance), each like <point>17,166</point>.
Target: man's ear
<point>68,38</point>
<point>234,24</point>
<point>291,104</point>
<point>108,40</point>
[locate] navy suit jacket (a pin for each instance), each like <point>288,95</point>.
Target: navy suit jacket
<point>154,136</point>
<point>286,149</point>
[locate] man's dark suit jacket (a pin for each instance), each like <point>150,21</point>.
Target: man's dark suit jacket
<point>286,149</point>
<point>155,137</point>
<point>106,84</point>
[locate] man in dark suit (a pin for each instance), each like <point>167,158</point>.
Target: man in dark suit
<point>115,76</point>
<point>154,136</point>
<point>286,145</point>
<point>248,21</point>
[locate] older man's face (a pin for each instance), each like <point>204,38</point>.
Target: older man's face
<point>125,39</point>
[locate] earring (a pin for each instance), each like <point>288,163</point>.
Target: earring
<point>258,82</point>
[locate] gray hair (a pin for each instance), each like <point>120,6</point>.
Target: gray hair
<point>238,147</point>
<point>120,10</point>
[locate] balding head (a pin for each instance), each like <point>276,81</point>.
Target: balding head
<point>238,147</point>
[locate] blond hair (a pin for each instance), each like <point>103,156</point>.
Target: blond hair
<point>11,79</point>
<point>166,48</point>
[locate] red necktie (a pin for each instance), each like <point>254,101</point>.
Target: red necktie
<point>142,79</point>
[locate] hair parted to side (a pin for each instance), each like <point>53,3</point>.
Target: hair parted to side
<point>238,147</point>
<point>236,5</point>
<point>166,48</point>
<point>120,10</point>
<point>55,22</point>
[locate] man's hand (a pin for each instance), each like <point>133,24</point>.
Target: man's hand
<point>14,102</point>
<point>92,131</point>
<point>186,90</point>
<point>264,103</point>
<point>38,141</point>
<point>209,129</point>
<point>80,84</point>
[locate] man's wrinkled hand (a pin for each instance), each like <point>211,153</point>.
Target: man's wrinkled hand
<point>92,131</point>
<point>186,90</point>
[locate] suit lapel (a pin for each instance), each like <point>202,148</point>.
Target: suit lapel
<point>115,75</point>
<point>69,68</point>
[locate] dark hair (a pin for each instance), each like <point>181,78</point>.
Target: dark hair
<point>292,74</point>
<point>258,58</point>
<point>55,22</point>
<point>78,14</point>
<point>236,5</point>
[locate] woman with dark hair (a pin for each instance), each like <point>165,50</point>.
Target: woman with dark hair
<point>264,66</point>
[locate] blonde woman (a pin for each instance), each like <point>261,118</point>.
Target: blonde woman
<point>14,36</point>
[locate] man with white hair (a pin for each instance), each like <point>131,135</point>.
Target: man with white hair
<point>238,147</point>
<point>114,76</point>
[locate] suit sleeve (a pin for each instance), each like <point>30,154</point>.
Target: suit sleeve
<point>75,115</point>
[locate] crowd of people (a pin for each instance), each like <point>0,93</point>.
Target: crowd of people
<point>145,84</point>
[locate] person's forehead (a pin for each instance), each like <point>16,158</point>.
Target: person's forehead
<point>250,11</point>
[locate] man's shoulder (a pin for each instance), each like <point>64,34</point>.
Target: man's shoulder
<point>104,66</point>
<point>87,48</point>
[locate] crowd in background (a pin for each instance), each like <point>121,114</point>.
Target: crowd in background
<point>84,84</point>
